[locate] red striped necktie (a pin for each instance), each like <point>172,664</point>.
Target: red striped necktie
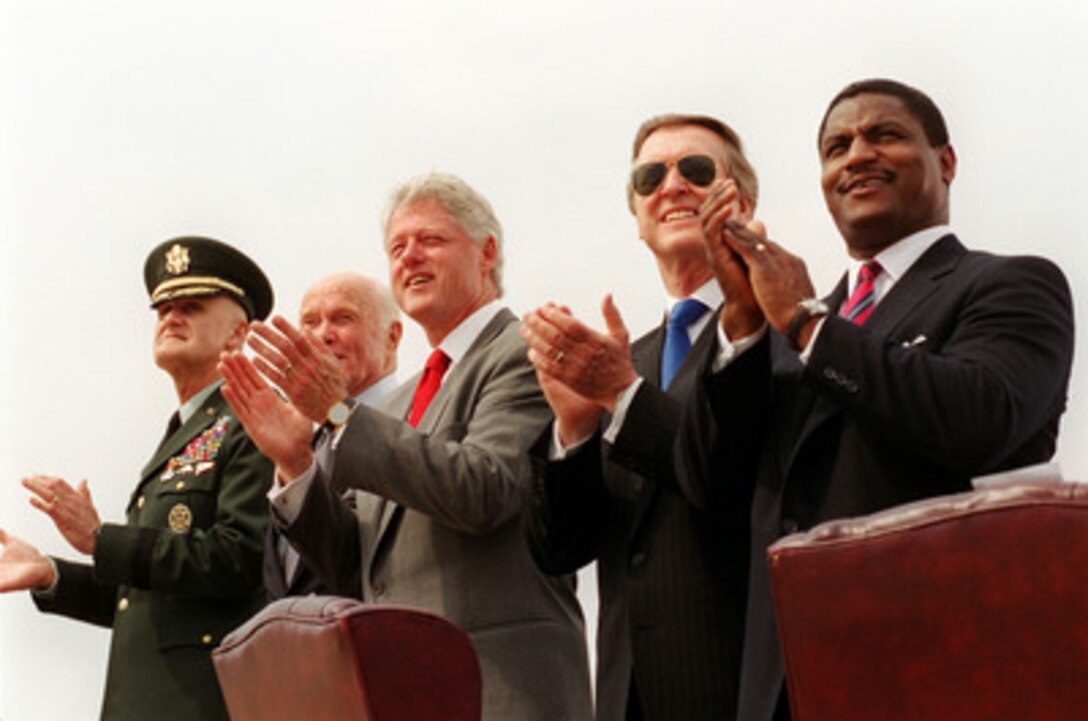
<point>861,303</point>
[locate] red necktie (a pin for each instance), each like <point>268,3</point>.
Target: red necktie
<point>436,366</point>
<point>861,303</point>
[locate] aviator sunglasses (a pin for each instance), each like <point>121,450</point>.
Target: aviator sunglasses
<point>697,169</point>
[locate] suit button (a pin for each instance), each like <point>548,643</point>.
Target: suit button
<point>638,559</point>
<point>140,502</point>
<point>180,485</point>
<point>789,526</point>
<point>122,605</point>
<point>206,639</point>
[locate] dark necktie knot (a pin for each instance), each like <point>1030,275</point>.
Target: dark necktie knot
<point>677,340</point>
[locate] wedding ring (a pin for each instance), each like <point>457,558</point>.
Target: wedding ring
<point>558,357</point>
<point>760,247</point>
<point>287,369</point>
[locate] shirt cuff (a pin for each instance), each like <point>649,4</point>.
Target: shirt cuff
<point>557,451</point>
<point>728,350</point>
<point>622,404</point>
<point>48,594</point>
<point>287,500</point>
<point>806,352</point>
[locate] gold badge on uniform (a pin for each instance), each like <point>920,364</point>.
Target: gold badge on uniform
<point>177,260</point>
<point>180,518</point>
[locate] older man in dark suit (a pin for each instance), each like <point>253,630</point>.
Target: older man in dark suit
<point>440,472</point>
<point>928,364</point>
<point>356,320</point>
<point>185,567</point>
<point>671,595</point>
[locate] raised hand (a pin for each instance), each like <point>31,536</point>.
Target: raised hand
<point>779,279</point>
<point>22,567</point>
<point>300,365</point>
<point>594,365</point>
<point>71,509</point>
<point>741,314</point>
<point>276,426</point>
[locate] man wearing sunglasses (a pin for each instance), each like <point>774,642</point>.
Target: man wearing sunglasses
<point>927,365</point>
<point>671,593</point>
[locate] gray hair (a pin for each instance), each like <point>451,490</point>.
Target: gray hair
<point>466,206</point>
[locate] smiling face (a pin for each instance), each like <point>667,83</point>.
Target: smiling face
<point>345,314</point>
<point>438,273</point>
<point>668,218</point>
<point>882,180</point>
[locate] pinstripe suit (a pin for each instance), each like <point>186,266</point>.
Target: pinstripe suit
<point>671,590</point>
<point>961,370</point>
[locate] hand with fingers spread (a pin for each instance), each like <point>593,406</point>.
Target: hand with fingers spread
<point>300,365</point>
<point>71,509</point>
<point>22,567</point>
<point>278,429</point>
<point>594,365</point>
<point>576,417</point>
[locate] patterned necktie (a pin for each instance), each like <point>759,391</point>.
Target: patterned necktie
<point>436,366</point>
<point>677,342</point>
<point>858,307</point>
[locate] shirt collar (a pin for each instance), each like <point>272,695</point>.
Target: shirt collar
<point>193,404</point>
<point>709,293</point>
<point>377,390</point>
<point>897,258</point>
<point>460,339</point>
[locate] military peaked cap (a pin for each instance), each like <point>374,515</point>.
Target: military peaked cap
<point>193,266</point>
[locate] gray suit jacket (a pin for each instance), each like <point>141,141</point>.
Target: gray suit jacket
<point>438,520</point>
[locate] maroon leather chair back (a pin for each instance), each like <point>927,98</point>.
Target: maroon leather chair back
<point>965,607</point>
<point>318,658</point>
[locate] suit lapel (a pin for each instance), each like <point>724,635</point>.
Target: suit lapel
<point>452,382</point>
<point>386,511</point>
<point>646,358</point>
<point>919,282</point>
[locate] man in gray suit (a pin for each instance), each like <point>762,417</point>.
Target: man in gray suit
<point>439,477</point>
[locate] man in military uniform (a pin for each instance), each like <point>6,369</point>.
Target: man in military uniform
<point>186,566</point>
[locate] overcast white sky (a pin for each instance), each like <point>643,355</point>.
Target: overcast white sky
<point>280,125</point>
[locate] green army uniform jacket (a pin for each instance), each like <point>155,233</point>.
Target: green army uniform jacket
<point>182,572</point>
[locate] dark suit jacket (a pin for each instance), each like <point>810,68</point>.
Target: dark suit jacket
<point>183,571</point>
<point>671,592</point>
<point>961,370</point>
<point>437,512</point>
<point>302,582</point>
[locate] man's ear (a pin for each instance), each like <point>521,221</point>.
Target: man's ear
<point>237,339</point>
<point>490,253</point>
<point>393,336</point>
<point>946,156</point>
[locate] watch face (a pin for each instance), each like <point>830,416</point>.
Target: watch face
<point>338,414</point>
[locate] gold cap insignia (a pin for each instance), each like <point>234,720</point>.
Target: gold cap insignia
<point>180,518</point>
<point>177,259</point>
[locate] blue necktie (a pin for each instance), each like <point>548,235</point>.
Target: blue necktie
<point>677,342</point>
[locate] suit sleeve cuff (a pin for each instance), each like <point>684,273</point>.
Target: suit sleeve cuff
<point>287,501</point>
<point>123,554</point>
